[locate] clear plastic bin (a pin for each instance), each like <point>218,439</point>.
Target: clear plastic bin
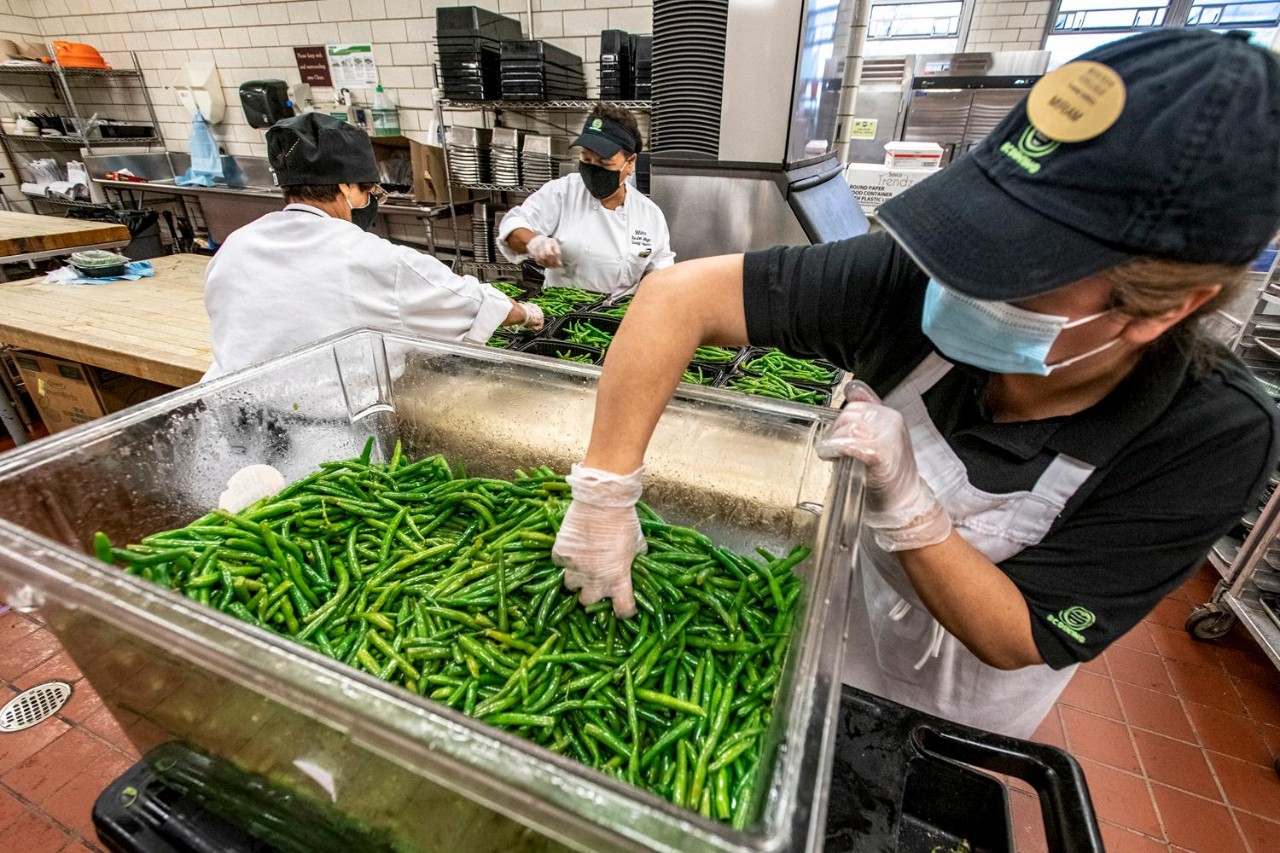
<point>742,469</point>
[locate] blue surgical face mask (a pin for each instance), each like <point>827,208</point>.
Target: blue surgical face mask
<point>996,336</point>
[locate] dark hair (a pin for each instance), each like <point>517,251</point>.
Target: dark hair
<point>621,117</point>
<point>320,193</point>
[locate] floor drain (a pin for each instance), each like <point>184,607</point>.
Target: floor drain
<point>34,706</point>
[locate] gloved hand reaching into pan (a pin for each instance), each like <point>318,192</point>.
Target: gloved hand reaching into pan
<point>900,507</point>
<point>600,536</point>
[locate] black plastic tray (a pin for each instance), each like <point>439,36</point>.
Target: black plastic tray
<point>549,349</point>
<point>824,394</point>
<point>555,330</point>
<point>177,800</point>
<point>905,781</point>
<point>756,352</point>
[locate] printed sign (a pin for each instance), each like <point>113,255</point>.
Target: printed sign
<point>863,128</point>
<point>313,65</point>
<point>351,66</point>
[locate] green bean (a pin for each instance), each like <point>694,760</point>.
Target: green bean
<point>782,366</point>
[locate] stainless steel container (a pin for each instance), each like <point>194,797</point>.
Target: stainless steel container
<point>742,469</point>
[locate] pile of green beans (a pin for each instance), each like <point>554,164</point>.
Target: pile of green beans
<point>498,341</point>
<point>557,301</point>
<point>582,332</point>
<point>779,389</point>
<point>698,376</point>
<point>715,355</point>
<point>443,583</point>
<point>788,369</point>
<point>618,311</point>
<point>580,358</point>
<point>507,288</point>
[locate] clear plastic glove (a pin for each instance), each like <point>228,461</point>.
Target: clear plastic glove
<point>533,317</point>
<point>900,507</point>
<point>600,536</point>
<point>545,250</point>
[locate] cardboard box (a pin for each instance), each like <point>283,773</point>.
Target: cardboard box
<point>67,393</point>
<point>430,179</point>
<point>922,155</point>
<point>873,184</point>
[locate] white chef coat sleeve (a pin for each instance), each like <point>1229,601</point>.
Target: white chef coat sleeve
<point>662,256</point>
<point>432,300</point>
<point>540,213</point>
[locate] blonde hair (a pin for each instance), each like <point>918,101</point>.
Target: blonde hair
<point>1148,287</point>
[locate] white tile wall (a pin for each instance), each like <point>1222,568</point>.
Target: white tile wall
<point>251,39</point>
<point>1007,25</point>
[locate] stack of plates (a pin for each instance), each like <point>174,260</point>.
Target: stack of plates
<point>615,66</point>
<point>482,232</point>
<point>688,75</point>
<point>541,158</point>
<point>504,156</point>
<point>535,70</point>
<point>468,149</point>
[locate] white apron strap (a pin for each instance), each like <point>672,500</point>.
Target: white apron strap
<point>925,375</point>
<point>1062,479</point>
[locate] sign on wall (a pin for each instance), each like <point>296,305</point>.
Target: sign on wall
<point>351,66</point>
<point>313,65</point>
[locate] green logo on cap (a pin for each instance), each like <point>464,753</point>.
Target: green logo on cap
<point>1030,148</point>
<point>597,124</point>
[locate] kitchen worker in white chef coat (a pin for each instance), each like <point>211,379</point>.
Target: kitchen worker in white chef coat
<point>313,269</point>
<point>593,230</point>
<point>1052,442</point>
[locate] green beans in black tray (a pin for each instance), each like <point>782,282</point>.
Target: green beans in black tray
<point>557,301</point>
<point>584,332</point>
<point>443,583</point>
<point>696,374</point>
<point>779,389</point>
<point>723,356</point>
<point>782,366</point>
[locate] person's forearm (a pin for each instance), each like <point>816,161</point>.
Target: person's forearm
<point>974,600</point>
<point>675,311</point>
<point>516,315</point>
<point>519,239</point>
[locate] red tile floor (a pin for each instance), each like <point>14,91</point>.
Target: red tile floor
<point>1176,738</point>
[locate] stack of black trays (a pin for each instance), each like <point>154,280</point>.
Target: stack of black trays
<point>615,66</point>
<point>642,67</point>
<point>468,41</point>
<point>537,71</point>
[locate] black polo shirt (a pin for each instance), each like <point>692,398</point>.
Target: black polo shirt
<point>1180,454</point>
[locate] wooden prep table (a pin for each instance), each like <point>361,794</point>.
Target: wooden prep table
<point>29,236</point>
<point>154,328</point>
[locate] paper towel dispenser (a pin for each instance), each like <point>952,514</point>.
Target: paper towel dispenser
<point>265,102</point>
<point>199,89</point>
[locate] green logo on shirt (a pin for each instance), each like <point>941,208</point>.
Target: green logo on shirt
<point>1072,620</point>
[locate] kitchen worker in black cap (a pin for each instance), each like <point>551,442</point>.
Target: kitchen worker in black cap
<point>313,269</point>
<point>593,229</point>
<point>1052,442</point>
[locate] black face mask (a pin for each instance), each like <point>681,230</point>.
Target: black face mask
<point>601,182</point>
<point>364,217</point>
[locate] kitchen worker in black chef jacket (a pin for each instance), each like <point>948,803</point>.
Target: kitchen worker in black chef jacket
<point>1052,442</point>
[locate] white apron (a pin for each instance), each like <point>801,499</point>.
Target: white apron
<point>896,649</point>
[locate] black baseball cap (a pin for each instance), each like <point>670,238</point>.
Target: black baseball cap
<point>1189,171</point>
<point>605,137</point>
<point>315,148</point>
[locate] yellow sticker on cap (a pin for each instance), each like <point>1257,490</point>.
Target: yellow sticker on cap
<point>1076,102</point>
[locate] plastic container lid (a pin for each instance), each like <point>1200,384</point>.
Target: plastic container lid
<point>98,258</point>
